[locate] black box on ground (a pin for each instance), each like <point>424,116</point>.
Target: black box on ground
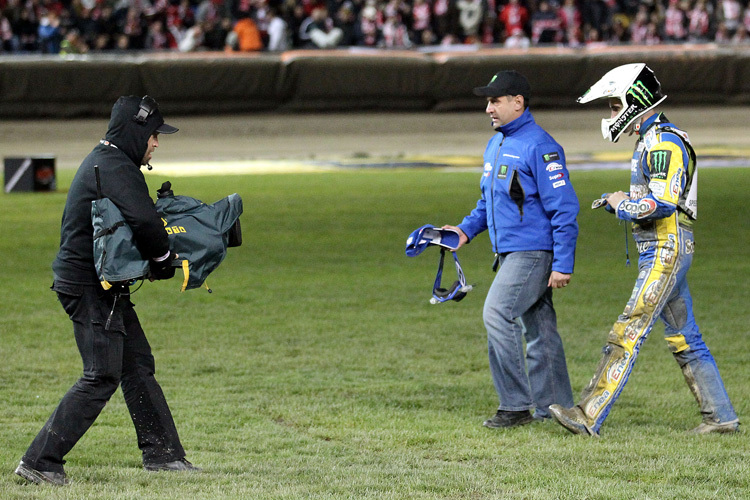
<point>30,173</point>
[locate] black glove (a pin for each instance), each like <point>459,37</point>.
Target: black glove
<point>165,190</point>
<point>162,270</point>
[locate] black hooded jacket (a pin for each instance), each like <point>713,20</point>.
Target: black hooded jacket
<point>119,158</point>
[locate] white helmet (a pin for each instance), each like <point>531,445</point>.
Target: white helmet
<point>637,88</point>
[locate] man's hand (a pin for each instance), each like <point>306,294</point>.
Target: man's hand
<point>162,270</point>
<point>558,280</point>
<point>462,238</point>
<point>615,199</point>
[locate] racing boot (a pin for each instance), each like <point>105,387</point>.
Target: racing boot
<point>572,419</point>
<point>597,395</point>
<point>710,427</point>
<point>712,423</point>
<point>612,353</point>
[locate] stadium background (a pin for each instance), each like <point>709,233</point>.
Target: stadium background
<point>347,104</point>
<point>380,398</point>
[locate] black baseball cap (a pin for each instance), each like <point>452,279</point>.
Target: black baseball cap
<point>505,83</point>
<point>166,129</point>
<point>146,111</point>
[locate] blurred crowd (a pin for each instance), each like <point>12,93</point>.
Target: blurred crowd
<point>82,26</point>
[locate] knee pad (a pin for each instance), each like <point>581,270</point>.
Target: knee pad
<point>675,313</point>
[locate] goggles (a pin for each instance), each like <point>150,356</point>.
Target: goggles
<point>457,290</point>
<point>446,239</point>
<point>428,235</point>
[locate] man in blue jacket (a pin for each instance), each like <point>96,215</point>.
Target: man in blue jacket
<point>529,207</point>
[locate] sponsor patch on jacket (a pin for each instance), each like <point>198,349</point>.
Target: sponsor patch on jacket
<point>659,161</point>
<point>638,208</point>
<point>554,166</point>
<point>556,176</point>
<point>651,139</point>
<point>675,183</point>
<point>487,169</point>
<point>658,188</point>
<point>502,172</point>
<point>551,157</point>
<point>558,184</point>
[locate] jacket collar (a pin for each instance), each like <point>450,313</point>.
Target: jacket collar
<point>518,123</point>
<point>651,121</point>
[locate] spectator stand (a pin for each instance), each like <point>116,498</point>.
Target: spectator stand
<point>428,78</point>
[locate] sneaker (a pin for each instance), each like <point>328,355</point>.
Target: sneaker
<point>41,476</point>
<point>505,419</point>
<point>181,465</point>
<point>711,427</point>
<point>572,419</point>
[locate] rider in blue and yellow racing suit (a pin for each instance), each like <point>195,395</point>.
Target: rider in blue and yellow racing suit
<point>661,206</point>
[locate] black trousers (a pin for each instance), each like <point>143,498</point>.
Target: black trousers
<point>115,352</point>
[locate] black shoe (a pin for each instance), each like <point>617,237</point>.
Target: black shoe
<point>181,465</point>
<point>504,419</point>
<point>41,476</point>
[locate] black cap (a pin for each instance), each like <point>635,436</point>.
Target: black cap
<point>148,110</point>
<point>166,129</point>
<point>505,83</point>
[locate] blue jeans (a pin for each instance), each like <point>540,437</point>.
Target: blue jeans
<point>518,306</point>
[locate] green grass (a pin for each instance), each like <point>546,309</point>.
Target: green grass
<point>318,369</point>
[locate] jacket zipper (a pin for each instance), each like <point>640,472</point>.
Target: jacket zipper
<point>492,190</point>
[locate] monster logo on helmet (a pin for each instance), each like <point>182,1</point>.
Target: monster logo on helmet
<point>637,88</point>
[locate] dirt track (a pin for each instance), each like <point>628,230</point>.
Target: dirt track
<point>331,136</point>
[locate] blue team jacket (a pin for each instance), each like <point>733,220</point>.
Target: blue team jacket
<point>528,202</point>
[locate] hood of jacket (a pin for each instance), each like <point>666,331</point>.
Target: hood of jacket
<point>129,135</point>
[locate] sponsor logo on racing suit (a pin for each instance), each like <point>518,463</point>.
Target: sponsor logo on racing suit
<point>615,371</point>
<point>594,405</point>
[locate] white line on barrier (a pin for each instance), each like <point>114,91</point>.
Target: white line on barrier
<point>17,176</point>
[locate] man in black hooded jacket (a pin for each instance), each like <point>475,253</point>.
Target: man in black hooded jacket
<point>109,336</point>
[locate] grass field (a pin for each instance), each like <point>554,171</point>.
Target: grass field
<point>318,369</point>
